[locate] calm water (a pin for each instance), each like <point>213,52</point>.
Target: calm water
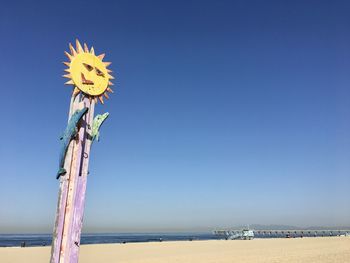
<point>7,240</point>
<point>11,240</point>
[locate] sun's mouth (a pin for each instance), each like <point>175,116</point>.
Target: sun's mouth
<point>86,81</point>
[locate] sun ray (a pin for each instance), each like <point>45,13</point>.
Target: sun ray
<point>92,51</point>
<point>66,63</point>
<point>67,70</point>
<point>68,76</point>
<point>110,83</point>
<point>76,91</point>
<point>69,82</point>
<point>72,50</point>
<point>101,99</point>
<point>111,77</point>
<point>101,56</point>
<point>78,46</point>
<point>68,55</point>
<point>86,49</point>
<point>107,63</point>
<point>109,71</point>
<point>110,90</point>
<point>95,99</point>
<point>106,95</point>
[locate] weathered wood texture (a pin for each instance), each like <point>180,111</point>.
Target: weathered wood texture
<point>62,195</point>
<point>80,188</point>
<point>71,199</point>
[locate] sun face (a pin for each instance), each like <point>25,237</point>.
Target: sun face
<point>88,73</point>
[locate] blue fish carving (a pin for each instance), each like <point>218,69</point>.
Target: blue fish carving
<point>70,133</point>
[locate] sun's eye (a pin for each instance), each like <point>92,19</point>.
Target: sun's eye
<point>99,72</point>
<point>88,67</point>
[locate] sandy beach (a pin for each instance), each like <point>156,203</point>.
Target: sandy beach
<point>320,250</point>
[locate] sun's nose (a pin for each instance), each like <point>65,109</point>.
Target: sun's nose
<point>86,81</point>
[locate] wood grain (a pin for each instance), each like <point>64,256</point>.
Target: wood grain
<point>71,199</point>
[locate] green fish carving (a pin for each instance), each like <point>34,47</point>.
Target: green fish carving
<point>97,122</point>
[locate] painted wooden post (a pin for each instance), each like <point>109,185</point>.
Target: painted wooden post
<point>74,226</point>
<point>70,208</point>
<point>62,194</point>
<point>89,76</point>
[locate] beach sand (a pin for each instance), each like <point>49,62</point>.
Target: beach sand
<point>279,250</point>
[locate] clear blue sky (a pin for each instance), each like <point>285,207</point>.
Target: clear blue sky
<point>225,113</point>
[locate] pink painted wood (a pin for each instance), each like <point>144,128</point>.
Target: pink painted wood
<point>70,207</point>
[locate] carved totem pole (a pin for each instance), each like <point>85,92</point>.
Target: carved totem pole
<point>91,81</point>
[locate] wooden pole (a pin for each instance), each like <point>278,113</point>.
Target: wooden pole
<point>73,241</point>
<point>71,197</point>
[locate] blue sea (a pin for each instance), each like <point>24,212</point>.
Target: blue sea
<point>15,240</point>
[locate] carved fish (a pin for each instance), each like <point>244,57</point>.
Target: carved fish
<point>69,133</point>
<point>97,122</point>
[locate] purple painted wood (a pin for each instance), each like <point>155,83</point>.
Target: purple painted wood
<point>70,207</point>
<point>62,196</point>
<point>71,201</point>
<point>79,200</point>
<point>58,230</point>
<point>73,224</point>
<point>69,212</point>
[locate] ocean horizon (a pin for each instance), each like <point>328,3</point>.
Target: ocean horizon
<point>34,240</point>
<point>16,240</point>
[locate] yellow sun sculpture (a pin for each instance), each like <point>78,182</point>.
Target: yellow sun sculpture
<point>88,73</point>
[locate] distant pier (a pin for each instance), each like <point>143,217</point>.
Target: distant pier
<point>289,233</point>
